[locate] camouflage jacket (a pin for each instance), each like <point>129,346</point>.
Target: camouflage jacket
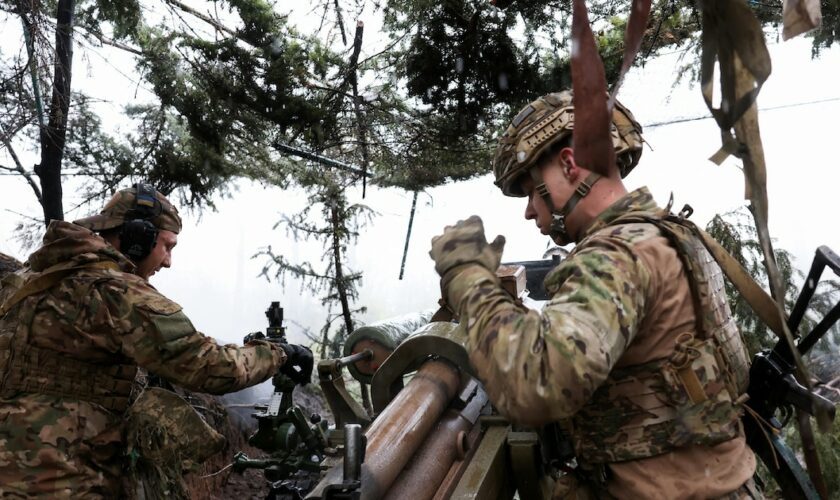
<point>620,300</point>
<point>68,358</point>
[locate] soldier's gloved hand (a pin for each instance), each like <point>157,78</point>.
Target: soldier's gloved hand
<point>299,362</point>
<point>254,336</point>
<point>465,243</point>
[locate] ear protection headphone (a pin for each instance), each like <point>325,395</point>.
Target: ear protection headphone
<point>139,235</point>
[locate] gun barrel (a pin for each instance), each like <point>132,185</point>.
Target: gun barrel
<point>432,462</point>
<point>401,428</point>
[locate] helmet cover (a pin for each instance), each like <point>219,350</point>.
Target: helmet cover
<point>545,122</point>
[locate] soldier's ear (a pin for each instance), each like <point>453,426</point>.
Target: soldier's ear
<point>566,158</point>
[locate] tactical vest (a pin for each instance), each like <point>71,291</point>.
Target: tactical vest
<point>26,368</point>
<point>693,396</point>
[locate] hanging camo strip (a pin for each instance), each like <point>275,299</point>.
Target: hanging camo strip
<point>730,28</point>
<point>732,36</point>
<point>800,16</point>
<point>633,35</point>
<point>591,135</point>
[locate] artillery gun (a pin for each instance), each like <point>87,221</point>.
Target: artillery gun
<point>434,434</point>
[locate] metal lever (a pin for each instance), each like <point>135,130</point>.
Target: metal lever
<point>347,360</point>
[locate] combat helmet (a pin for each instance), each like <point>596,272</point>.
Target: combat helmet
<point>126,202</point>
<point>139,213</point>
<point>545,122</point>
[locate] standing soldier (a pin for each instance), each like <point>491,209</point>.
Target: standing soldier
<point>72,336</point>
<point>636,350</point>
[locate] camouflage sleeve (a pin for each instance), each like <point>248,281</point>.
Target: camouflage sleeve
<point>543,366</point>
<point>158,336</point>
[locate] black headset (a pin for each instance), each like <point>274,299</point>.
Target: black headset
<point>139,235</point>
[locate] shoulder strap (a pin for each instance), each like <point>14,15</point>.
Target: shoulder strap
<point>48,279</point>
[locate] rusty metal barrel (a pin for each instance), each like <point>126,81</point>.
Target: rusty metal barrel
<point>401,428</point>
<point>427,469</point>
<point>433,466</point>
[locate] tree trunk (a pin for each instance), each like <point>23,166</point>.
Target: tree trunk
<point>339,272</point>
<point>337,230</point>
<point>361,122</point>
<point>53,134</point>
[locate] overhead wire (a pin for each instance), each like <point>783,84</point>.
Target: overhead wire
<point>769,108</point>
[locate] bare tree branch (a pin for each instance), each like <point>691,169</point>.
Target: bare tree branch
<point>33,219</point>
<point>22,171</point>
<point>104,40</point>
<point>204,17</point>
<point>106,189</point>
<point>340,19</point>
<point>361,123</point>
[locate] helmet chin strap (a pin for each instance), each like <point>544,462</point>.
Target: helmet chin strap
<point>559,232</point>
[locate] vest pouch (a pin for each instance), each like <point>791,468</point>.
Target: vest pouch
<point>698,388</point>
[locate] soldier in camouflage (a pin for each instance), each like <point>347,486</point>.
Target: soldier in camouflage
<point>636,352</point>
<point>78,322</point>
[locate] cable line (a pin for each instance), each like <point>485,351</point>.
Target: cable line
<point>770,108</point>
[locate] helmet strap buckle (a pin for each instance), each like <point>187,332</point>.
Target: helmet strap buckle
<point>581,191</point>
<point>558,223</point>
<point>584,188</point>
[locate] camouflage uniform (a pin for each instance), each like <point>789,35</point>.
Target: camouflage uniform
<point>69,356</point>
<point>620,308</point>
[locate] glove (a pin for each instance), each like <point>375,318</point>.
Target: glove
<point>254,336</point>
<point>299,362</point>
<point>465,243</point>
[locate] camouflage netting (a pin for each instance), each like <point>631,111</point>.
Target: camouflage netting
<point>214,479</point>
<point>8,265</point>
<point>166,436</point>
